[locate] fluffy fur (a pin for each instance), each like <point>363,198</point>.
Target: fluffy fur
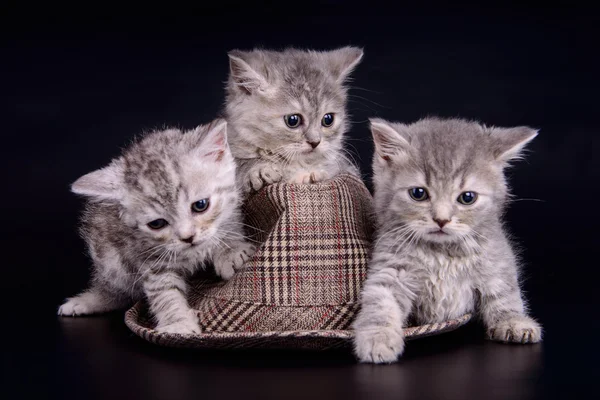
<point>160,177</point>
<point>438,259</point>
<point>265,86</point>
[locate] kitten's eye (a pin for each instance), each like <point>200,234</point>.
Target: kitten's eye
<point>157,224</point>
<point>293,120</point>
<point>418,194</point>
<point>200,205</point>
<point>327,120</point>
<point>467,198</point>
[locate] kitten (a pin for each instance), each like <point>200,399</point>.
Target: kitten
<point>441,251</point>
<point>154,216</point>
<point>287,114</point>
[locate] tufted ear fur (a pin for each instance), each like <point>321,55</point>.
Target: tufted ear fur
<point>509,143</point>
<point>105,184</point>
<point>343,61</point>
<point>209,141</point>
<point>391,141</point>
<point>243,75</point>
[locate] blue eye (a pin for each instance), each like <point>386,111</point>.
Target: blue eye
<point>418,194</point>
<point>157,224</point>
<point>467,198</point>
<point>327,120</point>
<point>293,120</point>
<point>200,205</point>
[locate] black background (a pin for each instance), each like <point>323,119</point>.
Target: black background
<point>77,89</point>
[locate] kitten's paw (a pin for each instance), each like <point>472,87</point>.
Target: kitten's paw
<point>519,329</point>
<point>188,326</point>
<point>300,178</point>
<point>242,253</point>
<point>261,175</point>
<point>318,176</point>
<point>233,260</point>
<point>73,307</point>
<point>83,304</point>
<point>378,345</point>
<point>306,177</point>
<point>270,174</point>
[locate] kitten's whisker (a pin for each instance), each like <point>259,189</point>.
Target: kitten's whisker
<point>152,248</point>
<point>158,248</point>
<point>361,88</point>
<point>356,153</point>
<point>222,242</point>
<point>404,236</point>
<point>516,199</point>
<point>394,231</point>
<point>478,234</point>
<point>250,226</point>
<point>236,235</point>
<point>369,100</point>
<point>351,139</point>
<point>143,273</point>
<point>401,246</point>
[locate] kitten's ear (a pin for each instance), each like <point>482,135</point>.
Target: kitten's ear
<point>509,143</point>
<point>243,75</point>
<point>105,184</point>
<point>214,142</point>
<point>343,61</point>
<point>391,142</point>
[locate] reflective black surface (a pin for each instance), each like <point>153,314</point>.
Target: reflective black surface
<point>75,90</point>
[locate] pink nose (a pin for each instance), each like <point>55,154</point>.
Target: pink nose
<point>313,144</point>
<point>441,222</point>
<point>188,239</point>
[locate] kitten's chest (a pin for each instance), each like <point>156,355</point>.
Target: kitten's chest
<point>447,287</point>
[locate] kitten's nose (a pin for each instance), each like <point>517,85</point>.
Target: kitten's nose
<point>441,222</point>
<point>188,239</point>
<point>313,144</point>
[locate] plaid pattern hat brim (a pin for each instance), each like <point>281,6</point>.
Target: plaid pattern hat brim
<point>140,322</point>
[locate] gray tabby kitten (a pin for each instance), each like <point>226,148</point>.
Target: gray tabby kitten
<point>287,114</point>
<point>154,216</point>
<point>441,251</point>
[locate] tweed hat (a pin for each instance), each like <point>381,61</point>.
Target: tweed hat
<point>301,287</point>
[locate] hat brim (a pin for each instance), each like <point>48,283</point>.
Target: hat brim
<point>138,320</point>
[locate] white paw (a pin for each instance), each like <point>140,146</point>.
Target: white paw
<point>379,345</point>
<point>519,329</point>
<point>318,176</point>
<point>78,305</point>
<point>188,326</point>
<point>233,260</point>
<point>305,177</point>
<point>241,254</point>
<point>261,175</point>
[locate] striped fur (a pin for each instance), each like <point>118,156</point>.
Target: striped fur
<point>159,177</point>
<point>438,259</point>
<point>263,87</point>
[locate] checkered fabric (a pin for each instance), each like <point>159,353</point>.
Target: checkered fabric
<point>308,271</point>
<point>301,287</point>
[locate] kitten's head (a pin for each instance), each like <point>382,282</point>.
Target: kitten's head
<point>443,179</point>
<point>290,103</point>
<point>175,189</point>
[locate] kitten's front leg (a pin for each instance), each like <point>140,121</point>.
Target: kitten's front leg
<point>502,308</point>
<point>230,259</point>
<point>166,293</point>
<point>95,300</point>
<point>386,302</point>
